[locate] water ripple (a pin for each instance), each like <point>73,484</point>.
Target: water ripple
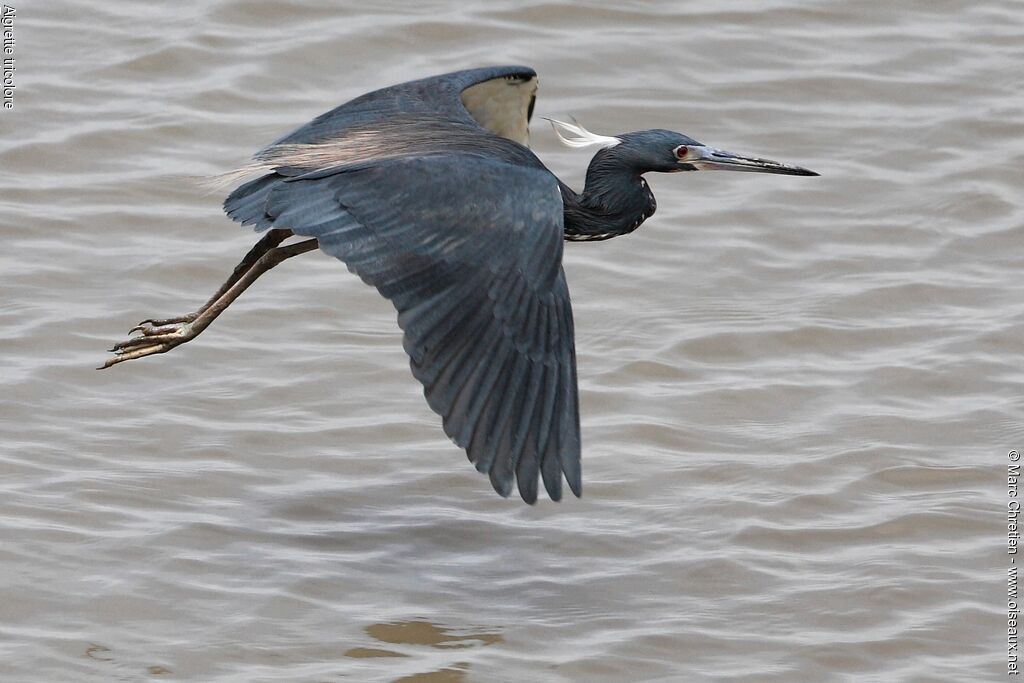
<point>797,396</point>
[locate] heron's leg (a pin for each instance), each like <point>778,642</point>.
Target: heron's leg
<point>273,238</point>
<point>175,334</point>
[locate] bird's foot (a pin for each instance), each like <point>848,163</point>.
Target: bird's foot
<point>153,336</point>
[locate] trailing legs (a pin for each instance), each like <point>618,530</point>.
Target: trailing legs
<point>162,335</point>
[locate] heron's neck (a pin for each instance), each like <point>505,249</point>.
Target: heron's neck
<point>615,201</point>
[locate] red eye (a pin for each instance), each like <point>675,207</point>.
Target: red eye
<point>681,151</point>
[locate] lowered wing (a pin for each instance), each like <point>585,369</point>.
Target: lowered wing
<point>468,249</point>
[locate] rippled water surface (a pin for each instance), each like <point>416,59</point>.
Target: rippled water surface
<point>797,393</point>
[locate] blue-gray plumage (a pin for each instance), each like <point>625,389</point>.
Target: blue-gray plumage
<point>428,191</point>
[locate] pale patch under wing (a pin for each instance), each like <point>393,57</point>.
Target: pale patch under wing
<point>502,106</point>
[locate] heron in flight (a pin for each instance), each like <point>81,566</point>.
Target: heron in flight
<point>429,192</point>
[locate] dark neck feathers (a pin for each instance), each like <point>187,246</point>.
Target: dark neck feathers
<point>615,200</point>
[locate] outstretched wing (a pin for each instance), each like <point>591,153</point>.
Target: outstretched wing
<point>468,249</point>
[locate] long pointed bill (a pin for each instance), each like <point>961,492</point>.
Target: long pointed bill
<point>712,159</point>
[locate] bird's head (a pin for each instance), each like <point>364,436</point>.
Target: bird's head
<point>666,151</point>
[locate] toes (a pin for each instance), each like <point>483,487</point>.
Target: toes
<point>136,353</point>
<point>173,334</point>
<point>130,343</point>
<point>154,335</point>
<point>162,322</point>
<point>152,330</point>
<point>136,342</point>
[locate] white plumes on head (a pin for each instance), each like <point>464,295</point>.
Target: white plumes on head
<point>575,135</point>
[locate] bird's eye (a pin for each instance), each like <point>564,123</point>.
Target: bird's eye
<point>681,152</point>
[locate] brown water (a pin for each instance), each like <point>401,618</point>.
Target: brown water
<point>797,393</point>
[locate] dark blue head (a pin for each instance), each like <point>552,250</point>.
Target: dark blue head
<point>665,151</point>
<point>650,150</point>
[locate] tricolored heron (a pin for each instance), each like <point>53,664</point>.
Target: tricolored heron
<point>428,191</point>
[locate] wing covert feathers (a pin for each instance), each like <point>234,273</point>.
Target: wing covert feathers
<point>468,249</point>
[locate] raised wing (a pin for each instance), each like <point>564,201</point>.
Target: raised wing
<point>497,98</point>
<point>456,112</point>
<point>468,249</point>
